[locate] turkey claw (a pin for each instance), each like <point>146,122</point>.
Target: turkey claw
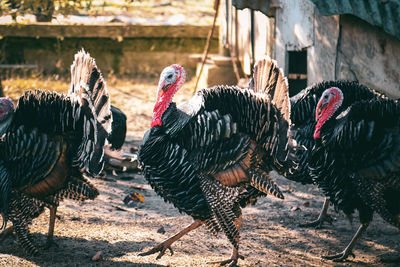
<point>229,262</point>
<point>159,248</point>
<point>340,257</point>
<point>318,223</point>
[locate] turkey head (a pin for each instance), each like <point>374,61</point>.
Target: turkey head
<point>328,104</point>
<point>171,79</point>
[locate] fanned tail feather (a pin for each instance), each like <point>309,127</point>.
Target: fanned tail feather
<point>86,78</point>
<point>268,78</point>
<point>87,84</point>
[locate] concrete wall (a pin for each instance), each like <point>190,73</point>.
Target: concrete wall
<point>342,47</point>
<point>294,29</point>
<point>369,55</point>
<point>338,46</point>
<point>321,57</point>
<point>136,53</point>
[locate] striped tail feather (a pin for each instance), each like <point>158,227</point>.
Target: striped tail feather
<point>262,182</point>
<point>88,85</point>
<point>78,191</point>
<point>221,200</point>
<point>268,78</point>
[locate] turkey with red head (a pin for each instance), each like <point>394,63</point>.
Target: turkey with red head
<point>302,116</point>
<point>211,155</point>
<point>356,158</point>
<point>49,144</point>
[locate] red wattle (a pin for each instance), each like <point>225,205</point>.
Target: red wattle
<point>317,133</point>
<point>164,98</point>
<point>155,122</point>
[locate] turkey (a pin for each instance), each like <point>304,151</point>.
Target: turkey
<point>211,155</point>
<point>51,142</point>
<point>303,123</point>
<point>356,158</point>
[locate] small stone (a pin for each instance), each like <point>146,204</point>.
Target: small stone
<point>306,204</point>
<point>97,256</point>
<point>161,230</point>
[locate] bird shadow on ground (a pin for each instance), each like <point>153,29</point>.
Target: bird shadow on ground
<point>67,249</point>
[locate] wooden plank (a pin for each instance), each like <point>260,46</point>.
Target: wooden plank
<point>114,31</point>
<point>18,66</point>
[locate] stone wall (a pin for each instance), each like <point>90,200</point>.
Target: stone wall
<point>140,52</point>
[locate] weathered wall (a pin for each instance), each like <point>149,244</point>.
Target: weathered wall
<point>369,55</point>
<point>294,29</point>
<point>126,55</point>
<point>321,57</point>
<point>338,46</point>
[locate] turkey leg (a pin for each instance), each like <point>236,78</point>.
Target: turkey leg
<point>162,247</point>
<point>349,249</point>
<point>322,217</point>
<point>50,242</point>
<point>235,251</point>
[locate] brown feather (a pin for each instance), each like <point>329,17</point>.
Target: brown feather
<point>54,181</point>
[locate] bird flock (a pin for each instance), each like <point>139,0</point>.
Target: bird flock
<point>210,156</point>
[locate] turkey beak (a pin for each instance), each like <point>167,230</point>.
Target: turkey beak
<point>161,89</point>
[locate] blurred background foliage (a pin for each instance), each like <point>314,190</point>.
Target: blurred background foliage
<point>201,11</point>
<point>42,9</point>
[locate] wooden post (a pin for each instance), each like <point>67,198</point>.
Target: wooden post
<point>1,89</point>
<point>207,48</point>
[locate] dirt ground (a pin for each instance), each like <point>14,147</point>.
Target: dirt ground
<point>270,234</point>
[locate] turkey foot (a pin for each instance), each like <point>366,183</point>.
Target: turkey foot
<point>322,217</point>
<point>162,247</point>
<point>159,248</point>
<point>348,251</point>
<point>341,256</point>
<point>6,233</point>
<point>229,262</point>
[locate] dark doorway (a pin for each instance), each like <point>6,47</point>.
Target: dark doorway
<point>297,74</point>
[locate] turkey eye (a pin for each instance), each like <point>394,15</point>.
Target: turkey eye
<point>326,96</point>
<point>169,76</point>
